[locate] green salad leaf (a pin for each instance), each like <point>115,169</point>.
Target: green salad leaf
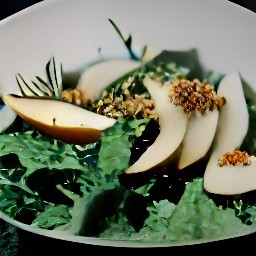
<point>36,151</point>
<point>195,216</point>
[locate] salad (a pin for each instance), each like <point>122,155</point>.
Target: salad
<point>151,148</point>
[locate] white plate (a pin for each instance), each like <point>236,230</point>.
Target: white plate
<point>74,31</point>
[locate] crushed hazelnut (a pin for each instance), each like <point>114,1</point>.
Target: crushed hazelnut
<point>126,104</point>
<point>74,96</point>
<point>194,96</point>
<point>234,158</point>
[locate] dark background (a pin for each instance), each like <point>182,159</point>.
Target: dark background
<point>249,4</point>
<point>31,244</point>
<point>8,7</point>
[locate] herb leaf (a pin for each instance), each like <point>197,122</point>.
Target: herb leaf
<point>127,42</point>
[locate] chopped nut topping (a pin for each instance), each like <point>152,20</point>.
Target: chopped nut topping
<point>119,107</point>
<point>235,158</point>
<point>194,96</point>
<point>74,96</point>
<point>126,104</point>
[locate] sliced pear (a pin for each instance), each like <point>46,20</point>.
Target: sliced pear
<point>99,76</point>
<point>7,117</point>
<point>59,119</point>
<point>229,179</point>
<point>234,116</point>
<point>231,130</point>
<point>198,138</point>
<point>149,54</point>
<point>173,124</point>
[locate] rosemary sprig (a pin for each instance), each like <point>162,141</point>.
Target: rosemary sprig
<point>127,42</point>
<point>37,87</point>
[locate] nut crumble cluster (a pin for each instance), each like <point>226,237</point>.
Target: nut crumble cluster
<point>194,96</point>
<point>126,104</point>
<point>74,96</point>
<point>234,158</point>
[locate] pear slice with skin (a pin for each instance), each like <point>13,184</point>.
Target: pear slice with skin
<point>97,77</point>
<point>231,130</point>
<point>59,119</point>
<point>198,138</point>
<point>173,124</point>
